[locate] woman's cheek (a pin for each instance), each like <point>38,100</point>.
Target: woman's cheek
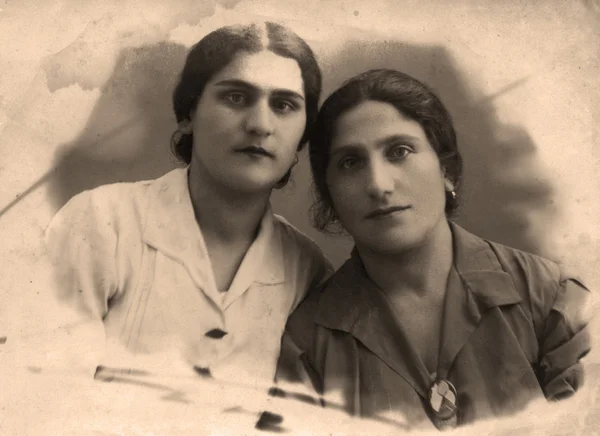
<point>345,201</point>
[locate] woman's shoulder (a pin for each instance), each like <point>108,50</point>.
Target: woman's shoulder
<point>526,264</point>
<point>113,196</point>
<point>110,202</point>
<point>474,253</point>
<point>101,215</point>
<point>303,258</point>
<point>549,285</point>
<point>294,240</point>
<point>535,269</point>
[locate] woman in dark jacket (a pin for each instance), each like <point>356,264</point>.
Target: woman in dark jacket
<point>426,323</point>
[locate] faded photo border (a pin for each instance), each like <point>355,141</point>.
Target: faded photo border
<point>85,100</point>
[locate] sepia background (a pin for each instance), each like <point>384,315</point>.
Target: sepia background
<point>85,92</point>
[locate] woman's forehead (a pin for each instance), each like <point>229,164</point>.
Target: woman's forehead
<point>264,70</point>
<point>370,122</point>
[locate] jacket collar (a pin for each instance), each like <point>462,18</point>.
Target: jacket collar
<point>348,294</point>
<point>351,302</point>
<point>172,229</point>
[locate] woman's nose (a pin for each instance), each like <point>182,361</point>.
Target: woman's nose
<point>260,119</point>
<point>381,179</point>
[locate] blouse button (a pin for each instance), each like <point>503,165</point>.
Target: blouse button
<point>215,334</point>
<point>202,371</point>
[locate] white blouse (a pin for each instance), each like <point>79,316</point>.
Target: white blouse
<point>132,259</point>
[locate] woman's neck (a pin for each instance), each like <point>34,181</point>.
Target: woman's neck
<point>222,213</point>
<point>422,270</point>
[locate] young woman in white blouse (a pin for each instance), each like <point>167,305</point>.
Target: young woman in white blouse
<point>195,262</point>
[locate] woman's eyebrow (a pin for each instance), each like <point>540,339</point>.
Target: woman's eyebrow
<point>253,88</point>
<point>346,149</point>
<point>392,139</point>
<point>380,143</point>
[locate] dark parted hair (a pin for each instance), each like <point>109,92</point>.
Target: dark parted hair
<point>412,99</point>
<point>217,49</point>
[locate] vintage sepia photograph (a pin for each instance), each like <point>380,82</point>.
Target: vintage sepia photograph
<point>304,217</point>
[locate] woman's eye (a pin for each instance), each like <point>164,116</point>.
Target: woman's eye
<point>348,163</point>
<point>283,106</point>
<point>399,152</point>
<point>236,98</point>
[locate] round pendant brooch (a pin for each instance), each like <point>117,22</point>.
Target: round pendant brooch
<point>442,400</point>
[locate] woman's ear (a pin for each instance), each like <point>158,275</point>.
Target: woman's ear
<point>185,127</point>
<point>448,184</point>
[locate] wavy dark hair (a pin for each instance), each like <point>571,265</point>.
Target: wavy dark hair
<point>413,100</point>
<point>217,49</point>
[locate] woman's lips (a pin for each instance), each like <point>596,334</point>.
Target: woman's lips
<point>385,211</point>
<point>256,151</point>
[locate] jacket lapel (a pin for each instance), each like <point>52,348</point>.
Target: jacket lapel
<point>354,304</point>
<point>171,227</point>
<point>476,284</point>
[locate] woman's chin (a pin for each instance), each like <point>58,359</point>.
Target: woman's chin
<point>390,245</point>
<point>253,183</point>
<point>252,186</point>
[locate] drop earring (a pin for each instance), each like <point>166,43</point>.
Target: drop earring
<point>450,188</point>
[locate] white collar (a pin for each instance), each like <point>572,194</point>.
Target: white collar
<point>171,228</point>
